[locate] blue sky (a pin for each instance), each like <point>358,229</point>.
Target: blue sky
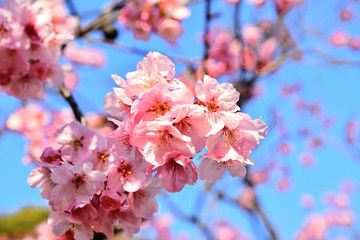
<point>336,88</point>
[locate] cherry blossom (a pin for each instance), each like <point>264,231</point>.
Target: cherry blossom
<point>155,139</point>
<point>161,17</point>
<point>177,171</point>
<point>127,174</point>
<point>31,47</point>
<point>95,181</point>
<point>75,183</point>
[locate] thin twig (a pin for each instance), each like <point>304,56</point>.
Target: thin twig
<point>108,16</point>
<point>138,51</point>
<point>192,219</point>
<point>66,94</point>
<point>258,209</point>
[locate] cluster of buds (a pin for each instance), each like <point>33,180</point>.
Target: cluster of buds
<point>92,182</point>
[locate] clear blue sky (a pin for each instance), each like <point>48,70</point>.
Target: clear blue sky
<point>336,88</point>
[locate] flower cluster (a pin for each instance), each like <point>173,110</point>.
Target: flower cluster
<point>92,182</point>
<point>162,17</point>
<point>227,54</point>
<point>340,38</point>
<point>168,125</point>
<point>89,189</point>
<point>31,35</point>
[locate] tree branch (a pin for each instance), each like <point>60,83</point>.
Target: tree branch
<point>66,94</point>
<point>108,16</point>
<point>192,219</point>
<point>138,51</point>
<point>206,33</point>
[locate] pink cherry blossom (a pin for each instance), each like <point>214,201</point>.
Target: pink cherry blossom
<point>346,14</point>
<point>212,170</point>
<point>236,143</point>
<point>154,139</point>
<point>44,232</point>
<point>95,181</point>
<point>118,103</point>
<point>224,231</point>
<point>315,227</point>
<point>85,56</point>
<point>126,174</point>
<point>354,43</point>
<point>283,184</point>
<point>306,159</point>
<point>110,200</point>
<point>223,53</point>
<point>77,141</point>
<point>143,202</point>
<point>155,68</point>
<point>339,38</point>
<point>163,18</point>
<point>170,29</point>
<point>159,100</point>
<point>30,48</point>
<point>62,222</point>
<point>186,120</point>
<point>247,198</point>
<point>284,148</point>
<point>76,182</point>
<point>100,156</point>
<point>42,176</point>
<point>119,140</point>
<point>177,171</point>
<point>219,102</point>
<point>28,120</point>
<point>252,34</point>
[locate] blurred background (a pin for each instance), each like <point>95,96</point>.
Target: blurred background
<point>299,73</point>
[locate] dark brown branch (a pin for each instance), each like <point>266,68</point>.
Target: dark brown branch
<point>237,25</point>
<point>72,8</point>
<point>206,33</point>
<point>66,94</point>
<point>108,16</point>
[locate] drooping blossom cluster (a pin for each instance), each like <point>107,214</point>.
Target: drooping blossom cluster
<point>162,17</point>
<point>227,54</point>
<point>89,188</point>
<point>31,34</point>
<point>92,182</point>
